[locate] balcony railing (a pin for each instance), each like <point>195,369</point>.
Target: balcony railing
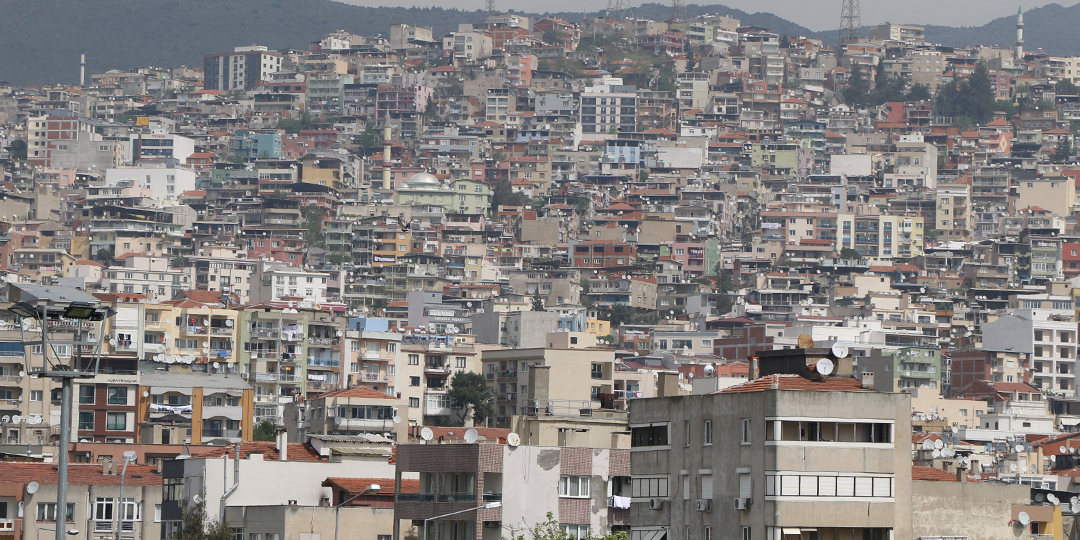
<point>221,433</point>
<point>320,362</point>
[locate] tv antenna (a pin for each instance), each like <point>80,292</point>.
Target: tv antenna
<point>850,22</point>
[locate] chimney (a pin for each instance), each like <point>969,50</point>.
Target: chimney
<point>283,444</point>
<point>107,467</point>
<point>867,379</point>
<point>159,465</point>
<point>961,474</point>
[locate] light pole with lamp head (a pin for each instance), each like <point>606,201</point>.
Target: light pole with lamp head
<point>489,505</point>
<point>371,490</point>
<point>66,309</point>
<point>69,532</point>
<point>129,457</point>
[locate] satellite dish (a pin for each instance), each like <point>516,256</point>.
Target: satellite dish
<point>955,429</point>
<point>1052,498</point>
<point>806,342</point>
<point>936,453</point>
<point>1012,467</point>
<point>839,350</point>
<point>228,322</point>
<point>196,499</point>
<point>1062,449</point>
<point>470,436</point>
<point>709,370</point>
<point>1039,497</point>
<point>1024,518</point>
<point>513,439</point>
<point>1075,507</point>
<point>1053,459</point>
<point>427,434</point>
<point>939,444</point>
<point>32,487</point>
<point>16,419</point>
<point>145,393</point>
<point>1019,448</point>
<point>1072,450</point>
<point>397,419</point>
<point>928,445</point>
<point>825,366</point>
<point>1033,469</point>
<point>216,365</point>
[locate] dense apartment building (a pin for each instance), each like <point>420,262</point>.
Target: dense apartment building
<point>242,69</point>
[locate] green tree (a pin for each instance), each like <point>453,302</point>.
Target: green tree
<point>195,524</point>
<point>849,254</point>
<point>538,303</point>
<point>1063,151</point>
<point>504,195</point>
<point>177,261</point>
<point>289,125</point>
<point>856,93</point>
<point>1065,87</point>
<point>468,388</point>
<point>106,256</point>
<point>918,92</point>
<point>313,217</point>
<point>371,137</point>
<point>264,431</point>
<point>18,149</point>
<point>552,530</point>
<point>972,100</point>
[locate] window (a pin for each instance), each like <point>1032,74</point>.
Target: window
<point>118,395</point>
<point>116,421</point>
<point>656,435</point>
<point>414,359</point>
<point>655,486</point>
<point>172,489</point>
<point>86,394</point>
<point>745,431</point>
<point>35,395</point>
<point>708,433</point>
<point>576,531</point>
<point>810,485</point>
<point>103,509</point>
<point>706,486</point>
<point>708,533</point>
<point>574,486</point>
<point>686,429</point>
<point>746,534</point>
<point>86,420</point>
<point>459,362</point>
<point>47,512</point>
<point>414,381</point>
<point>414,402</point>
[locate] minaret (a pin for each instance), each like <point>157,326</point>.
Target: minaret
<point>386,163</point>
<point>82,69</point>
<point>1020,36</point>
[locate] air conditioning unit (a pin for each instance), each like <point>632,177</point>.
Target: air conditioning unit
<point>656,503</point>
<point>704,505</point>
<point>742,504</point>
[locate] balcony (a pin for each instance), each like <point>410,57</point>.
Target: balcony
<point>376,355</point>
<point>266,398</point>
<point>437,368</point>
<point>508,374</point>
<point>509,396</point>
<point>194,330</point>
<point>265,333</point>
<point>364,424</point>
<point>324,341</point>
<point>918,374</point>
<point>221,330</point>
<point>221,433</point>
<point>223,411</point>
<point>323,362</point>
<point>10,379</point>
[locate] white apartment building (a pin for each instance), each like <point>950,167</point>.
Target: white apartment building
<point>1048,335</point>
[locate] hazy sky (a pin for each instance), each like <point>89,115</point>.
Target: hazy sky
<point>814,14</point>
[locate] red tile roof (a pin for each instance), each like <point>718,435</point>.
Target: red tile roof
<point>796,382</point>
<point>297,451</point>
<point>920,472</point>
<point>358,392</point>
<point>78,474</point>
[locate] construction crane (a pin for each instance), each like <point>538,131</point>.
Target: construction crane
<point>850,22</point>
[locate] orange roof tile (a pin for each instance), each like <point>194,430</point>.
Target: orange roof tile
<point>358,392</point>
<point>78,474</point>
<point>297,451</point>
<point>796,382</point>
<point>920,472</point>
<point>386,485</point>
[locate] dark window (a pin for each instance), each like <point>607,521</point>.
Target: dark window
<point>649,436</point>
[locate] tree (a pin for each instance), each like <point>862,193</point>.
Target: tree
<point>289,125</point>
<point>18,149</point>
<point>313,224</point>
<point>504,195</point>
<point>538,303</point>
<point>857,91</point>
<point>106,256</point>
<point>467,388</point>
<point>196,525</point>
<point>972,100</point>
<point>1065,87</point>
<point>849,254</point>
<point>177,261</point>
<point>1063,151</point>
<point>264,431</point>
<point>552,530</point>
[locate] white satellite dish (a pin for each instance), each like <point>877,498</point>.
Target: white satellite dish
<point>1072,449</point>
<point>928,445</point>
<point>1024,518</point>
<point>1012,467</point>
<point>16,419</point>
<point>513,439</point>
<point>839,350</point>
<point>936,453</point>
<point>228,322</point>
<point>196,499</point>
<point>1052,498</point>
<point>939,444</point>
<point>216,365</point>
<point>397,419</point>
<point>1062,449</point>
<point>145,393</point>
<point>1075,507</point>
<point>427,434</point>
<point>1039,497</point>
<point>825,367</point>
<point>32,487</point>
<point>1019,448</point>
<point>470,436</point>
<point>1053,459</point>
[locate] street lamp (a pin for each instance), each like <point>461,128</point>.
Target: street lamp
<point>129,457</point>
<point>371,490</point>
<point>59,307</point>
<point>489,506</point>
<point>69,532</point>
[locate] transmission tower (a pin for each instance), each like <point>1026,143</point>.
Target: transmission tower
<point>850,22</point>
<point>617,9</point>
<point>678,9</point>
<point>491,7</point>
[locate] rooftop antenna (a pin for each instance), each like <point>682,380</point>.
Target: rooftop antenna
<point>850,22</point>
<point>678,10</point>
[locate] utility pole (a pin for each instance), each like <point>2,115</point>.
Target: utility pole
<point>850,22</point>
